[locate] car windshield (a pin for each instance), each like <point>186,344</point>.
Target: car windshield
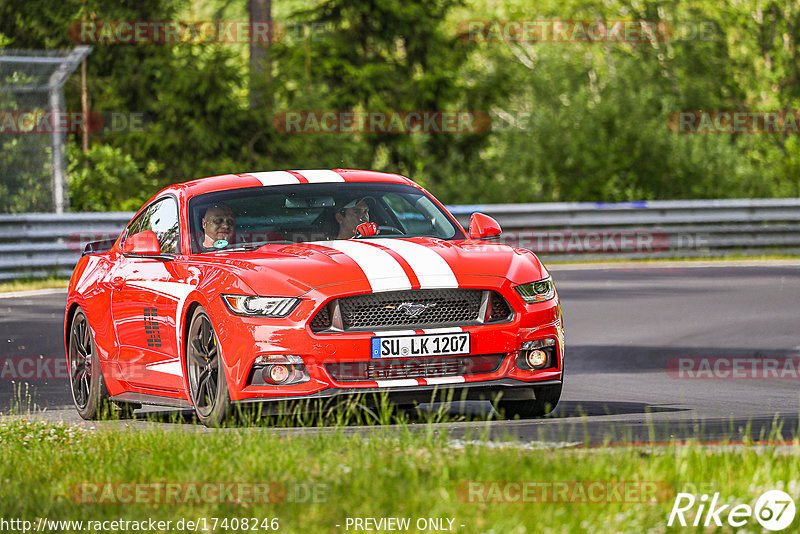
<point>245,219</point>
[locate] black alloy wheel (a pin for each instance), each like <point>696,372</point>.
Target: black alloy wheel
<point>207,385</point>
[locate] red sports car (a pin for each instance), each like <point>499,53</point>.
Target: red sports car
<point>309,284</point>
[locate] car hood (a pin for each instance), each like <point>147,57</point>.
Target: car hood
<point>382,264</point>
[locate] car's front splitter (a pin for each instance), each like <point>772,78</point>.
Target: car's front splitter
<point>509,388</point>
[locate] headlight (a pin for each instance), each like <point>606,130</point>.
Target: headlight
<point>260,306</point>
<point>537,291</point>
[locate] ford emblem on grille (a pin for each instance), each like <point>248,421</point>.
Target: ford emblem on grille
<point>413,310</point>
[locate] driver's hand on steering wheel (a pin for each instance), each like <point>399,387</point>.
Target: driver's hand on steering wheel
<point>366,229</point>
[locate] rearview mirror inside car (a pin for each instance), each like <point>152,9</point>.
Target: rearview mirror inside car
<point>308,202</point>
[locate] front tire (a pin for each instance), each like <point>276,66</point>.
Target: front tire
<point>89,391</point>
<point>207,384</point>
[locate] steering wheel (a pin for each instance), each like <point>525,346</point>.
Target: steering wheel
<point>390,230</point>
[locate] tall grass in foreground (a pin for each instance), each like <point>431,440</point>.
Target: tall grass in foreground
<point>394,472</point>
<point>356,410</point>
<point>23,399</point>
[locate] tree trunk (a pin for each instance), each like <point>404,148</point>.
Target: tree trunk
<point>260,13</point>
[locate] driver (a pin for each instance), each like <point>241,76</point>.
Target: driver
<point>353,220</point>
<point>218,225</point>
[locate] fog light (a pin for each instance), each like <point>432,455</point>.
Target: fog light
<point>278,373</point>
<point>536,358</point>
<point>537,354</point>
<point>278,370</point>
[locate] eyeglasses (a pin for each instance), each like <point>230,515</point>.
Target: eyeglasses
<point>217,221</point>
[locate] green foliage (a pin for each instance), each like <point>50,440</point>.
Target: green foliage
<point>588,121</point>
<point>29,188</point>
<point>25,158</point>
<point>107,179</point>
<point>570,120</point>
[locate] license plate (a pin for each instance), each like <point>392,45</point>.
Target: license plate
<point>418,346</point>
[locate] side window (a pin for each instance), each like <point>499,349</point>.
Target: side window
<point>161,218</point>
<point>136,226</point>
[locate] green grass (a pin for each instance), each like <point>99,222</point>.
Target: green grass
<point>334,475</point>
<point>28,284</point>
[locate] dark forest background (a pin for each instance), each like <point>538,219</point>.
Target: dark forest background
<point>571,121</point>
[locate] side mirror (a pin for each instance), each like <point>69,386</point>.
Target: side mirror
<point>482,226</point>
<point>142,244</point>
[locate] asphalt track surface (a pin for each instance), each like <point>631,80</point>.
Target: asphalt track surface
<point>623,326</point>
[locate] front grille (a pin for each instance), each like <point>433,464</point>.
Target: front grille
<point>499,310</point>
<point>414,368</point>
<point>322,320</point>
<point>447,306</point>
<point>420,308</point>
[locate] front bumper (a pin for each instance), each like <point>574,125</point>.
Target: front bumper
<point>243,339</point>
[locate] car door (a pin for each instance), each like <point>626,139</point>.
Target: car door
<point>147,295</point>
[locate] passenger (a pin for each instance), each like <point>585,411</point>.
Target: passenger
<point>219,224</point>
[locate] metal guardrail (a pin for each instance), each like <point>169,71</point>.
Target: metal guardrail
<point>45,244</point>
<point>648,229</point>
<point>49,244</point>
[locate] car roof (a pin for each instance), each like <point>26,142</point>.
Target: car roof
<point>270,178</point>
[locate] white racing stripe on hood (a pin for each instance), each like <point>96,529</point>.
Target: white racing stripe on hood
<point>316,176</point>
<point>431,269</point>
<point>275,178</point>
<point>383,272</point>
